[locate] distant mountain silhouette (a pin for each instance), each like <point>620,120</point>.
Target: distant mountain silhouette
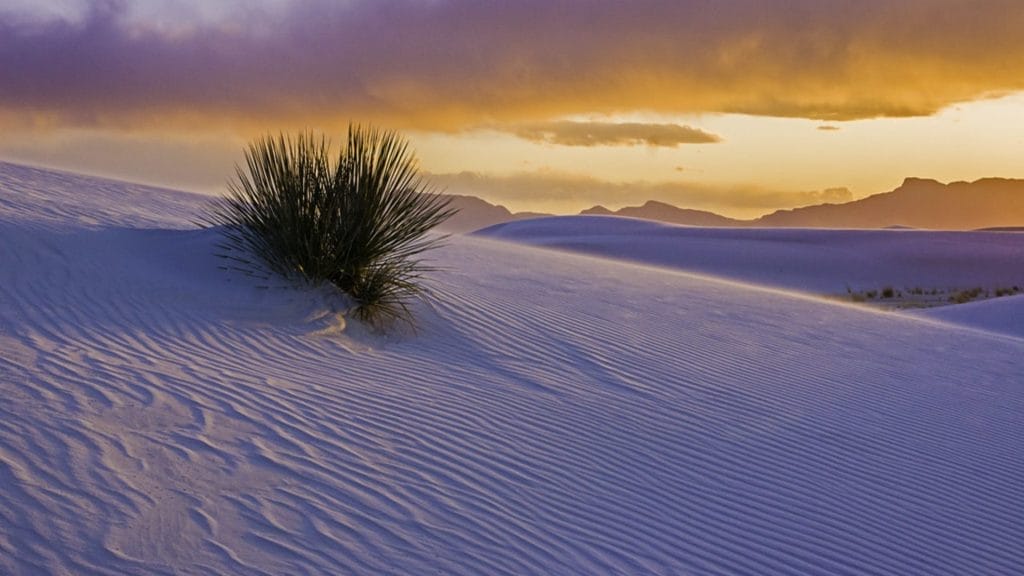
<point>989,203</point>
<point>917,203</point>
<point>475,213</point>
<point>662,212</point>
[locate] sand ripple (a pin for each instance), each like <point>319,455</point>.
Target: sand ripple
<point>554,414</point>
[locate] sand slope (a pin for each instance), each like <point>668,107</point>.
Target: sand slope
<point>814,260</point>
<point>999,315</point>
<point>554,414</point>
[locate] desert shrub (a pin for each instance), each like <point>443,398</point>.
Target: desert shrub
<point>888,292</point>
<point>1007,291</point>
<point>358,220</point>
<point>964,296</point>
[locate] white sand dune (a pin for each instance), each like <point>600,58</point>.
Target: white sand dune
<point>820,261</point>
<point>554,414</point>
<point>1000,315</point>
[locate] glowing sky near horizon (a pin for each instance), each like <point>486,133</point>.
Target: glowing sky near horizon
<point>736,106</point>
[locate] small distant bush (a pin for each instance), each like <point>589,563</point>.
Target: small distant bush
<point>358,220</point>
<point>964,296</point>
<point>1007,291</point>
<point>912,297</point>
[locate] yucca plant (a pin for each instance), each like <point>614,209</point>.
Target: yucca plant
<point>359,222</point>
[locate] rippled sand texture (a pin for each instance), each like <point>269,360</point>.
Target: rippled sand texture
<point>554,414</point>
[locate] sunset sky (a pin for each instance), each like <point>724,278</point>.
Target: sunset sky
<point>735,106</point>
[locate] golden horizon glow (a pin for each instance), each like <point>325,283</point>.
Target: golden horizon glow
<point>739,109</point>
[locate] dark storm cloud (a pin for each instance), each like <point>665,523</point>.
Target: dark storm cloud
<point>450,64</point>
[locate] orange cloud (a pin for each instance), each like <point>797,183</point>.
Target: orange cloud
<point>567,133</point>
<point>453,64</point>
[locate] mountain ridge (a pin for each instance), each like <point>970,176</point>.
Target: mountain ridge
<point>917,203</point>
<point>985,203</point>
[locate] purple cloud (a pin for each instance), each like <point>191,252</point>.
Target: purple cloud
<point>450,64</point>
